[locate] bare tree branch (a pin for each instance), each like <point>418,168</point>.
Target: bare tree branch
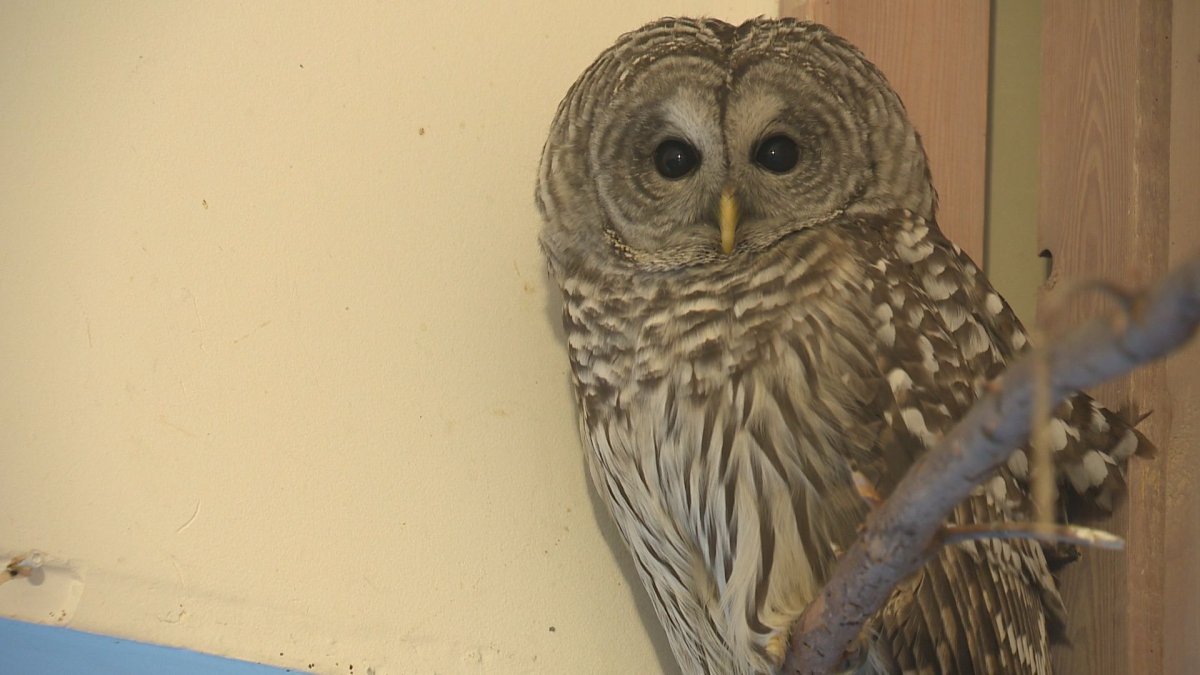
<point>899,535</point>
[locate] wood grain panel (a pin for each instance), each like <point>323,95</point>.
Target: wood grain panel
<point>1103,212</point>
<point>1181,555</point>
<point>935,54</point>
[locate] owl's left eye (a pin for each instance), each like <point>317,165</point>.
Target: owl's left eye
<point>777,154</point>
<point>675,159</point>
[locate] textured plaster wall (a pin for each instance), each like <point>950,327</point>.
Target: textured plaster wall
<point>279,379</point>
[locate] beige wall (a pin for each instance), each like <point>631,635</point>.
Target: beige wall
<point>279,380</point>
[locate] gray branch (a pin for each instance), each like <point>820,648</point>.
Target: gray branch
<point>898,536</point>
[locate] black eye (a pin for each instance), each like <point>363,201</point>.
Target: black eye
<point>675,159</point>
<point>778,154</point>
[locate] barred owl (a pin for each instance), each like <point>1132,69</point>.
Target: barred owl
<point>758,303</point>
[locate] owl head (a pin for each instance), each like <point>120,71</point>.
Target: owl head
<point>693,142</point>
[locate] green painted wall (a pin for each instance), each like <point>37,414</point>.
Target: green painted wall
<point>1010,248</point>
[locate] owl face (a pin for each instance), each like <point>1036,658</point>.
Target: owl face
<point>691,141</point>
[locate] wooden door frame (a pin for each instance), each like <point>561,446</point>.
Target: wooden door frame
<point>1120,91</point>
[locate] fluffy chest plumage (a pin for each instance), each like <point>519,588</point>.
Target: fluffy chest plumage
<point>719,407</point>
<point>699,329</point>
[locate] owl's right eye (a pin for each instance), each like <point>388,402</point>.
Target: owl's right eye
<point>675,159</point>
<point>777,154</point>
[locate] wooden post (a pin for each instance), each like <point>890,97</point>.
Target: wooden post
<point>935,55</point>
<point>1104,213</point>
<point>1181,457</point>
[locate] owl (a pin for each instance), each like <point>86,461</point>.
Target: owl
<point>760,308</point>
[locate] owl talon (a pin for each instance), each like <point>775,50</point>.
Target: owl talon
<point>866,489</point>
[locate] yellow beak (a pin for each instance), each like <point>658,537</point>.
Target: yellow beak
<point>728,219</point>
